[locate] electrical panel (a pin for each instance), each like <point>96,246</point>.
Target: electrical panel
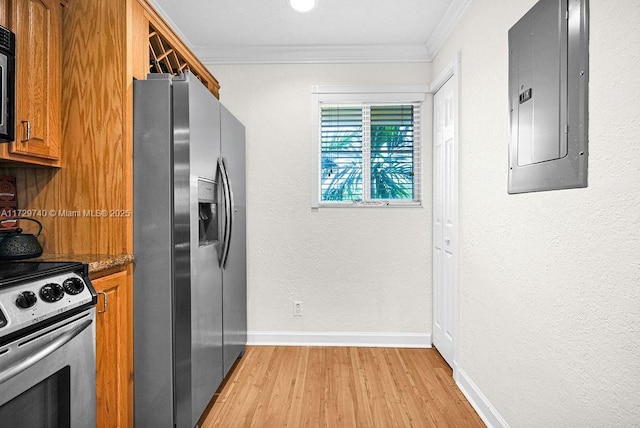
<point>548,90</point>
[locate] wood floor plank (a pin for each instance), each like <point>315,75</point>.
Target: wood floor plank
<point>340,387</point>
<point>361,389</point>
<point>313,409</point>
<point>297,404</point>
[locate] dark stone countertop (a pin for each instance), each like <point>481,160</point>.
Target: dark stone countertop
<point>97,262</point>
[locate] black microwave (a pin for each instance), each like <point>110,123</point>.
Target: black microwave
<point>7,84</point>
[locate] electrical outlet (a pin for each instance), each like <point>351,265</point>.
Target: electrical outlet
<point>297,309</point>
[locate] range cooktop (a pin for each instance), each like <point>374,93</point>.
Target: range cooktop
<point>12,272</point>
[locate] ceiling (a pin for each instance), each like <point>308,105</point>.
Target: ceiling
<point>269,31</point>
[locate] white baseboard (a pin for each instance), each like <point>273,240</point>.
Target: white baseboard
<point>383,340</point>
<point>479,401</point>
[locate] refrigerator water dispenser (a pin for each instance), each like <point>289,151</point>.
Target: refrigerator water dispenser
<point>207,213</point>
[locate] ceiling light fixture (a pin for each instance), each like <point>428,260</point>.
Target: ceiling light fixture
<point>303,5</point>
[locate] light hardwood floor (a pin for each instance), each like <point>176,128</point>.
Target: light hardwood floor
<point>340,387</point>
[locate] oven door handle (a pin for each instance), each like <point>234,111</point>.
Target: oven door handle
<point>39,354</point>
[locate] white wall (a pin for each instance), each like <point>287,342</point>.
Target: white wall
<point>354,270</point>
<point>549,282</point>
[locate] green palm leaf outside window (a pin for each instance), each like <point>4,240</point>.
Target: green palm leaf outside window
<point>391,143</point>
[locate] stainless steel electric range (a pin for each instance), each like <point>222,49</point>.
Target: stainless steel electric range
<point>47,345</point>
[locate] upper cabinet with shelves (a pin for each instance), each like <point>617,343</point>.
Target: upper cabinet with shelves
<point>166,58</point>
<point>168,54</point>
<point>38,28</point>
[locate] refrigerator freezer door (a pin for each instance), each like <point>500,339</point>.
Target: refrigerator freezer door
<point>153,247</point>
<point>234,294</point>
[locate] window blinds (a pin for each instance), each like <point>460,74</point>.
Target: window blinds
<point>370,153</point>
<point>341,145</point>
<point>392,152</point>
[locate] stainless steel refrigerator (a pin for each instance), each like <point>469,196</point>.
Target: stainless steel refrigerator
<point>190,248</point>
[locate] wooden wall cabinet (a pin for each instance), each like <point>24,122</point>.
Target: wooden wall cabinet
<point>114,356</point>
<point>38,28</point>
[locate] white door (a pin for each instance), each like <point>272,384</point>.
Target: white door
<point>445,219</point>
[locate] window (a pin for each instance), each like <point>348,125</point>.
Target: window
<point>367,149</point>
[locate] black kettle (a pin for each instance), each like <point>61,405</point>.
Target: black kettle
<point>15,245</point>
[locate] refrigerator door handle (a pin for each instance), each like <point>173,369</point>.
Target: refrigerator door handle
<point>231,215</point>
<point>227,213</point>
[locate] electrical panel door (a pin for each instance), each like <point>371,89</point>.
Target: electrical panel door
<point>547,96</point>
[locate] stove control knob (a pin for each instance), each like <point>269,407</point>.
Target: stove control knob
<point>73,285</point>
<point>26,299</point>
<point>51,292</point>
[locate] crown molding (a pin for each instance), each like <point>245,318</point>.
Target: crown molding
<point>445,27</point>
<point>310,54</point>
<point>313,54</point>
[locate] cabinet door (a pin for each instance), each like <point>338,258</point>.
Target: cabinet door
<point>38,28</point>
<point>113,333</point>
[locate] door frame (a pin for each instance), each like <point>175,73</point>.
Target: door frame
<point>451,71</point>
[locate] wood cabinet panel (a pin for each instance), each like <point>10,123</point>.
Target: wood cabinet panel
<point>114,331</point>
<point>38,28</point>
<point>95,155</point>
<point>4,9</point>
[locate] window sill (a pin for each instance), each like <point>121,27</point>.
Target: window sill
<point>368,205</point>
